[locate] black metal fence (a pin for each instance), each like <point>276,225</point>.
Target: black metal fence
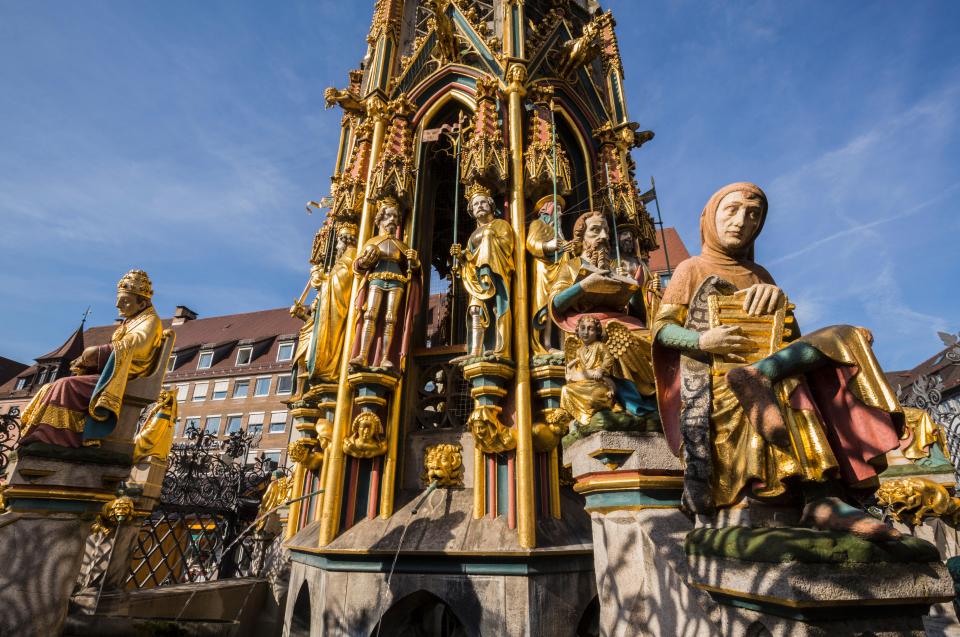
<point>9,436</point>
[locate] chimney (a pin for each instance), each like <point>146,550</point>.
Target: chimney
<point>183,314</point>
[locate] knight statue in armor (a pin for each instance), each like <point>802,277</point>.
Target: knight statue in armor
<point>388,267</point>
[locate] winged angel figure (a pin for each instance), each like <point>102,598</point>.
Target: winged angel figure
<point>604,365</point>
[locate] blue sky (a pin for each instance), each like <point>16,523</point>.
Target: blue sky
<point>185,137</point>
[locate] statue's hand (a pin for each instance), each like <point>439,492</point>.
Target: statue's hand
<point>762,298</point>
<point>456,250</point>
<point>727,340</point>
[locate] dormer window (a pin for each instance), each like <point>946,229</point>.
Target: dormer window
<point>244,354</point>
<point>172,363</point>
<point>206,360</point>
<point>21,383</point>
<point>285,352</point>
<point>42,377</point>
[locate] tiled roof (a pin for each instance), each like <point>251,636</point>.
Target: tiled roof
<point>9,369</point>
<point>675,251</point>
<point>937,365</point>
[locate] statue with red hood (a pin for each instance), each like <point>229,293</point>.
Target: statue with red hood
<point>757,410</point>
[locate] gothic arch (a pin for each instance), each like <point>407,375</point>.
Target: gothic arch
<point>422,614</point>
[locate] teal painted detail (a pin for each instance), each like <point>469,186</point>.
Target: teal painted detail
<point>442,564</point>
<point>634,497</point>
<point>591,94</point>
<point>443,82</point>
<point>503,484</point>
<point>385,63</point>
<point>612,457</point>
<point>478,44</point>
<point>515,24</point>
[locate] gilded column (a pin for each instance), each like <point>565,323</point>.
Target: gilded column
<point>526,520</point>
<point>333,482</point>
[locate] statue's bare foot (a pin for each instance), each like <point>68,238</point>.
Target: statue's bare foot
<point>833,514</point>
<point>386,363</point>
<point>755,393</point>
<point>357,361</point>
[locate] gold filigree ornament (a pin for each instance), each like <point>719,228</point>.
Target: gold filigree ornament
<point>489,434</point>
<point>113,514</point>
<point>366,439</point>
<point>443,463</point>
<point>910,500</point>
<point>306,452</point>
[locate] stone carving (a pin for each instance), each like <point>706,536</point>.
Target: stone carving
<point>366,439</point>
<point>578,52</point>
<point>113,514</point>
<point>443,463</point>
<point>548,250</point>
<point>306,452</point>
<point>910,500</point>
<point>490,435</point>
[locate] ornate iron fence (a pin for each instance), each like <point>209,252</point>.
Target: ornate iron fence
<point>209,496</point>
<point>9,436</point>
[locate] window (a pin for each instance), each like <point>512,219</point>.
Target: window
<point>255,423</point>
<point>271,456</point>
<point>262,388</point>
<point>172,362</point>
<point>190,423</point>
<point>182,391</point>
<point>233,423</point>
<point>220,389</point>
<point>42,377</point>
<point>244,354</point>
<point>285,352</point>
<point>284,383</point>
<point>213,425</point>
<point>206,360</point>
<point>21,383</point>
<point>200,391</point>
<point>241,388</point>
<point>278,422</point>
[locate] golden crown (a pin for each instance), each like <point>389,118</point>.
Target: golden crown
<point>137,282</point>
<point>347,227</point>
<point>476,188</point>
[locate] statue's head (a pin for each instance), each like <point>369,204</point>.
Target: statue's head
<point>545,208</point>
<point>481,205</point>
<point>592,232</point>
<point>134,292</point>
<point>732,220</point>
<point>589,329</point>
<point>346,236</point>
<point>388,216</point>
<point>627,238</point>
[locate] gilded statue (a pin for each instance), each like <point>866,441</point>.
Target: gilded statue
<point>486,268</point>
<point>156,437</point>
<point>388,267</point>
<point>113,514</point>
<point>548,250</point>
<point>82,409</point>
<point>443,463</point>
<point>812,419</point>
<point>590,286</point>
<point>366,438</point>
<point>277,494</point>
<point>912,499</point>
<point>589,374</point>
<point>320,346</point>
<point>578,52</point>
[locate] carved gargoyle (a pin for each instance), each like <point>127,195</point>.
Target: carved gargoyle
<point>347,100</point>
<point>580,51</point>
<point>447,49</point>
<point>635,138</point>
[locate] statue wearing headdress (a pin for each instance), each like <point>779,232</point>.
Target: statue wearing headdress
<point>388,266</point>
<point>809,416</point>
<point>634,265</point>
<point>320,346</point>
<point>83,409</point>
<point>486,268</point>
<point>549,250</point>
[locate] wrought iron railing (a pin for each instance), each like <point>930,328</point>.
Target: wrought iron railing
<point>209,496</point>
<point>9,436</point>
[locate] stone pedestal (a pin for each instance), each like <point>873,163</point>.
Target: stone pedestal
<point>51,504</point>
<point>648,585</point>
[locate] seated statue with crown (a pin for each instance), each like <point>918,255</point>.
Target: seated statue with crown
<point>82,409</point>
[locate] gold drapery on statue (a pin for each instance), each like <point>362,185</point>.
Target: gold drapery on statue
<point>544,272</point>
<point>320,345</point>
<point>486,271</point>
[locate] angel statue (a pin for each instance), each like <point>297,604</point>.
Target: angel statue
<point>598,393</point>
